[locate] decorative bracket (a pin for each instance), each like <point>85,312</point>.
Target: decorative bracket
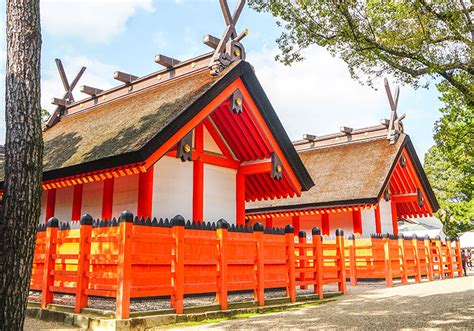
<point>228,48</point>
<point>421,199</point>
<point>185,149</point>
<point>386,193</point>
<point>277,167</point>
<point>67,98</point>
<point>403,161</point>
<point>395,126</point>
<point>236,102</point>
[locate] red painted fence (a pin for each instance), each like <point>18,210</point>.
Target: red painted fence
<point>389,257</point>
<point>131,258</point>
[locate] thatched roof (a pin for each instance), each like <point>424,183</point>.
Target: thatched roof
<point>344,174</point>
<point>130,128</point>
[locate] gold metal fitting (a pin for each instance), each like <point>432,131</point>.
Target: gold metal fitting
<point>187,148</point>
<point>279,168</point>
<point>237,52</point>
<point>238,101</point>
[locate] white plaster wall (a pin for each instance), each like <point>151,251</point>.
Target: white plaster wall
<point>172,188</point>
<point>92,195</point>
<point>125,195</point>
<point>386,216</point>
<point>44,202</point>
<point>342,221</point>
<point>63,205</point>
<point>209,143</point>
<point>368,221</point>
<point>219,193</point>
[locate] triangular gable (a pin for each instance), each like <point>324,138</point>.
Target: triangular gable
<point>203,96</point>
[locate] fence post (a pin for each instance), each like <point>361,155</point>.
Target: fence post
<point>83,263</point>
<point>222,234</point>
<point>318,262</point>
<point>449,257</point>
<point>260,264</point>
<point>459,258</point>
<point>177,264</point>
<point>352,261</point>
<point>402,259</point>
<point>340,255</point>
<point>290,244</point>
<point>302,254</point>
<point>416,258</point>
<point>49,262</point>
<point>429,257</point>
<point>124,265</point>
<point>439,251</point>
<point>387,259</point>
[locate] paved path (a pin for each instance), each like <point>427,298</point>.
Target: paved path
<point>439,304</point>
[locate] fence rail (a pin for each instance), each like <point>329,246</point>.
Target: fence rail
<point>131,258</point>
<point>389,257</point>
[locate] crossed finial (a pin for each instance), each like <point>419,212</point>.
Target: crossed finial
<point>67,98</point>
<point>228,48</point>
<point>394,124</point>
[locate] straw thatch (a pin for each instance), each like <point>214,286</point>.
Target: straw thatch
<point>343,174</point>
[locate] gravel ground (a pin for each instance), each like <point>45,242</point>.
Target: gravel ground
<point>445,304</point>
<point>164,303</point>
<point>32,324</point>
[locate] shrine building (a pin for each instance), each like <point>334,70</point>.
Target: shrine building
<point>198,138</point>
<point>365,181</point>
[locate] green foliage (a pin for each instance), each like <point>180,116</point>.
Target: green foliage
<point>408,39</point>
<point>44,116</point>
<point>457,217</point>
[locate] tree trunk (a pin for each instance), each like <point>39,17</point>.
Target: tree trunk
<point>23,160</point>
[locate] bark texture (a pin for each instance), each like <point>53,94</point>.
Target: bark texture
<point>23,160</point>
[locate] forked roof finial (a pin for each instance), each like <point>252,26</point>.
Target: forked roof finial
<point>227,49</point>
<point>68,97</point>
<point>394,125</point>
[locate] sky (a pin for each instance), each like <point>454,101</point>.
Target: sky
<point>316,96</point>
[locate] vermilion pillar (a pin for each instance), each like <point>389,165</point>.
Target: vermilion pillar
<point>77,202</point>
<point>198,176</point>
<point>108,198</point>
<point>240,199</point>
<point>325,224</point>
<point>50,204</point>
<point>145,193</point>
<point>357,221</point>
<point>295,220</point>
<point>378,224</point>
<point>268,222</point>
<point>394,217</point>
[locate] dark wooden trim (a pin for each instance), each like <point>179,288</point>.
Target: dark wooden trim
<point>318,205</point>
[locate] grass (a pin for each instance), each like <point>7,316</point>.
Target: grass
<point>239,316</point>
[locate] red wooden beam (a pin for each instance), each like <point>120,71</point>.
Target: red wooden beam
<point>378,223</point>
<point>255,168</point>
<point>50,204</point>
<point>357,221</point>
<point>108,198</point>
<point>77,202</point>
<point>198,176</point>
<point>295,220</point>
<point>410,197</point>
<point>325,224</point>
<point>240,199</point>
<point>145,193</point>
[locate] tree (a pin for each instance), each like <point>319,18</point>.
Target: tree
<point>454,132</point>
<point>409,39</point>
<point>23,160</point>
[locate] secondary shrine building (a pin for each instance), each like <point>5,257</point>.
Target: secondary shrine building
<point>178,141</point>
<point>364,185</point>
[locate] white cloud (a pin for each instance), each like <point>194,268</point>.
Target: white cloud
<point>317,95</point>
<point>90,20</point>
<point>97,74</point>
